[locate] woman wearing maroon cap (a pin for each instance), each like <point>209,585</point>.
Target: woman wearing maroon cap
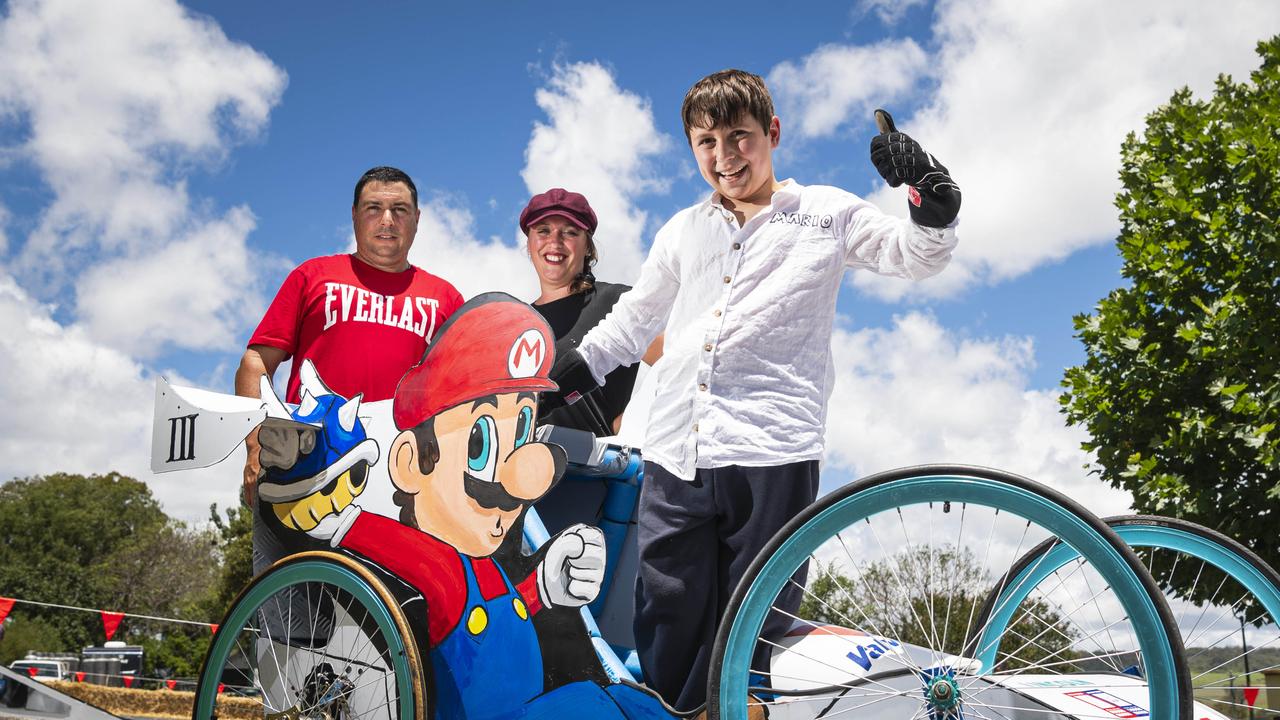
<point>560,226</point>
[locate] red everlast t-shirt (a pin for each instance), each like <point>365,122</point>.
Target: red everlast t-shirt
<point>362,327</point>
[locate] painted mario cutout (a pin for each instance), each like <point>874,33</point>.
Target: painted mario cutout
<point>466,467</point>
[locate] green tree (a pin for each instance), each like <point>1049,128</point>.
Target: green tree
<point>931,597</point>
<point>23,634</point>
<point>56,534</point>
<point>100,541</point>
<point>178,650</point>
<point>235,546</point>
<point>1180,389</point>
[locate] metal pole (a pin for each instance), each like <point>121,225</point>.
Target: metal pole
<point>1244,647</point>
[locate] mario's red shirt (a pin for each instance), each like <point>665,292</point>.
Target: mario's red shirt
<point>434,568</point>
<point>361,326</point>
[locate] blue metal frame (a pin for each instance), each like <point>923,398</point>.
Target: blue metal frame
<point>623,470</point>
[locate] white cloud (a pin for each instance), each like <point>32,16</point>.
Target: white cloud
<point>208,309</point>
<point>447,246</point>
<point>114,105</point>
<point>70,404</point>
<point>889,11</point>
<point>836,84</point>
<point>600,140</point>
<point>917,393</point>
<point>1028,103</point>
<point>118,101</point>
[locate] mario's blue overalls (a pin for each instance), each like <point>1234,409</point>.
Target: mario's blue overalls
<point>490,663</point>
<point>490,667</point>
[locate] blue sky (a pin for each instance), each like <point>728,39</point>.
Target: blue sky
<point>163,166</point>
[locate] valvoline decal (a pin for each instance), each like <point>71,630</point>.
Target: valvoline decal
<point>865,655</point>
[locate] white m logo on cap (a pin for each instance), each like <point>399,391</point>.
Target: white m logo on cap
<point>526,354</point>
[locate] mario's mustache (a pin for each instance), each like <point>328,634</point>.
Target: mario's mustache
<point>489,495</point>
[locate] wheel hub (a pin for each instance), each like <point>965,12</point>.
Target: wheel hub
<point>942,694</point>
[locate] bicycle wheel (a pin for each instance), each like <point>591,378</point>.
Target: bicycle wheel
<point>1225,601</point>
<point>898,565</point>
<point>318,637</point>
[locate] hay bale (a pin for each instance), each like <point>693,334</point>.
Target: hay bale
<point>155,703</point>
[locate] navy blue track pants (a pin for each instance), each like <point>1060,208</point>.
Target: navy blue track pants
<point>696,539</point>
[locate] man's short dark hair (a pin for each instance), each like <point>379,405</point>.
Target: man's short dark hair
<point>722,97</point>
<point>385,174</point>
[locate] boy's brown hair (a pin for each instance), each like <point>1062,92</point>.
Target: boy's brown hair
<point>722,97</point>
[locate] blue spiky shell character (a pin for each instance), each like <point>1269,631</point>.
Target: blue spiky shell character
<point>332,461</point>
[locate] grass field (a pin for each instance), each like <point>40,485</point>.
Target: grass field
<point>1230,701</point>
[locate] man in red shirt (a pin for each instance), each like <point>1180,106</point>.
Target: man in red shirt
<point>363,318</point>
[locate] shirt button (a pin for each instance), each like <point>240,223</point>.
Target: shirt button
<point>707,347</point>
<point>695,427</point>
<point>737,246</point>
<point>716,313</point>
<point>727,279</point>
<point>702,387</point>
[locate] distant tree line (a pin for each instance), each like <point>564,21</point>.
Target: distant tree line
<point>103,541</point>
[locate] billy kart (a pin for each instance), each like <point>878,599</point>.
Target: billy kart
<point>940,592</point>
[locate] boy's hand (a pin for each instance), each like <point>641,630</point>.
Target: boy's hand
<point>934,196</point>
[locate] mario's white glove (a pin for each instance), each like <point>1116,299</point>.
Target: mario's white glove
<point>571,572</point>
<point>334,527</point>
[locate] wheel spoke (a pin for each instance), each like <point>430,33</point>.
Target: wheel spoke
<point>318,637</point>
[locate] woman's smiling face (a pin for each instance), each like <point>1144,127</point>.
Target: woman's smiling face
<point>558,249</point>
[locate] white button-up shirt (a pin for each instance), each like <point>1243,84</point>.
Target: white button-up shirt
<point>746,369</point>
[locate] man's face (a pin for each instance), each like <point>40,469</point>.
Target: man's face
<point>385,221</point>
<point>736,159</point>
<point>489,472</point>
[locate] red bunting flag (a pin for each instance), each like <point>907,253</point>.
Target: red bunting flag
<point>221,687</point>
<point>79,676</point>
<point>32,671</point>
<point>1251,695</point>
<point>128,681</point>
<point>173,684</point>
<point>213,628</point>
<point>6,604</point>
<point>111,621</point>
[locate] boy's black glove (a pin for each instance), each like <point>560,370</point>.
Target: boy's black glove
<point>571,374</point>
<point>934,196</point>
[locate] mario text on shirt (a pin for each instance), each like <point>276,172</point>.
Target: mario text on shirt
<point>801,219</point>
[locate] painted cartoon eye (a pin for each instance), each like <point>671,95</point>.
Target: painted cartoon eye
<point>524,426</point>
<point>482,448</point>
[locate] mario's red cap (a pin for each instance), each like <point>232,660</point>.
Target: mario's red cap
<point>493,344</point>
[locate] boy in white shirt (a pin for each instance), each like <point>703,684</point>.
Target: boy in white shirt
<point>745,284</point>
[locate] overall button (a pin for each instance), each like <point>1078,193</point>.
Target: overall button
<point>521,611</point>
<point>477,621</point>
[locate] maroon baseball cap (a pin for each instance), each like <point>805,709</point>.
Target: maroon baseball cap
<point>558,201</point>
<point>494,344</point>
